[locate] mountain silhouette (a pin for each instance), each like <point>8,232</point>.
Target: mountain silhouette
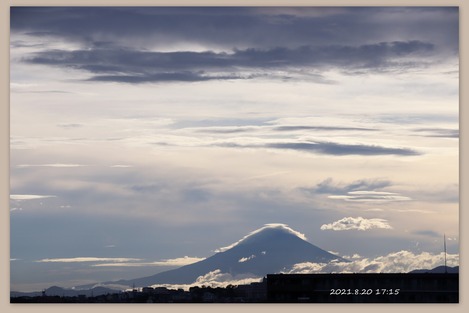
<point>65,292</point>
<point>270,249</point>
<point>439,269</point>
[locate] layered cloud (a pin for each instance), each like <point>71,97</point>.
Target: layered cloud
<point>438,132</point>
<point>363,190</point>
<point>321,147</point>
<point>29,197</point>
<point>256,104</point>
<point>131,66</point>
<point>124,262</point>
<point>86,259</point>
<point>357,223</point>
<point>167,262</point>
<point>216,279</point>
<point>282,227</point>
<point>51,165</point>
<point>207,44</point>
<point>328,186</point>
<point>366,196</point>
<point>333,148</point>
<point>396,262</point>
<point>218,27</point>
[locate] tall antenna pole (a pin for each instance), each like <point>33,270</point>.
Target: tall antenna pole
<point>444,239</point>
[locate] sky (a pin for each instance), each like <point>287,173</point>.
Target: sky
<point>146,138</point>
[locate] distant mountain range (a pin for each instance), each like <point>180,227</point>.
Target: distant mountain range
<point>439,269</point>
<point>65,292</point>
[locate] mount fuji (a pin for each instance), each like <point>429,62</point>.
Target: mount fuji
<point>270,249</point>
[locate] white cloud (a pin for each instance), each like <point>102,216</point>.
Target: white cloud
<point>396,262</point>
<point>30,197</point>
<point>357,223</point>
<point>167,262</point>
<point>283,227</point>
<point>215,279</point>
<point>368,196</point>
<point>354,256</point>
<point>123,264</point>
<point>86,259</point>
<point>242,260</point>
<point>178,261</point>
<point>50,165</point>
<point>120,166</point>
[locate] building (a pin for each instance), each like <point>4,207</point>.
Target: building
<point>361,288</point>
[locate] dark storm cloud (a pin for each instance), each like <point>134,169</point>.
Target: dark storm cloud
<point>308,40</point>
<point>132,66</point>
<point>241,26</point>
<point>24,44</point>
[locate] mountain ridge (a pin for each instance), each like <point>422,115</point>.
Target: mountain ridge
<point>270,249</point>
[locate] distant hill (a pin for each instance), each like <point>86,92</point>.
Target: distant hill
<point>439,269</point>
<point>271,249</point>
<point>59,291</point>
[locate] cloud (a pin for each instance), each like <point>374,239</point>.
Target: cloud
<point>51,165</point>
<point>283,227</point>
<point>328,186</point>
<point>427,233</point>
<point>70,125</point>
<point>338,149</point>
<point>438,132</point>
<point>215,279</point>
<point>328,148</point>
<point>357,223</point>
<point>134,66</point>
<point>86,259</point>
<point>325,128</point>
<point>179,261</point>
<point>242,260</point>
<point>219,27</point>
<point>167,262</point>
<point>226,129</point>
<point>370,196</point>
<point>396,262</point>
<point>29,197</point>
<point>164,77</point>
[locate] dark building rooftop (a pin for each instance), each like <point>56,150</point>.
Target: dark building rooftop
<point>372,288</point>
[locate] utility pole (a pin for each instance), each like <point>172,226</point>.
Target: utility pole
<point>444,244</point>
